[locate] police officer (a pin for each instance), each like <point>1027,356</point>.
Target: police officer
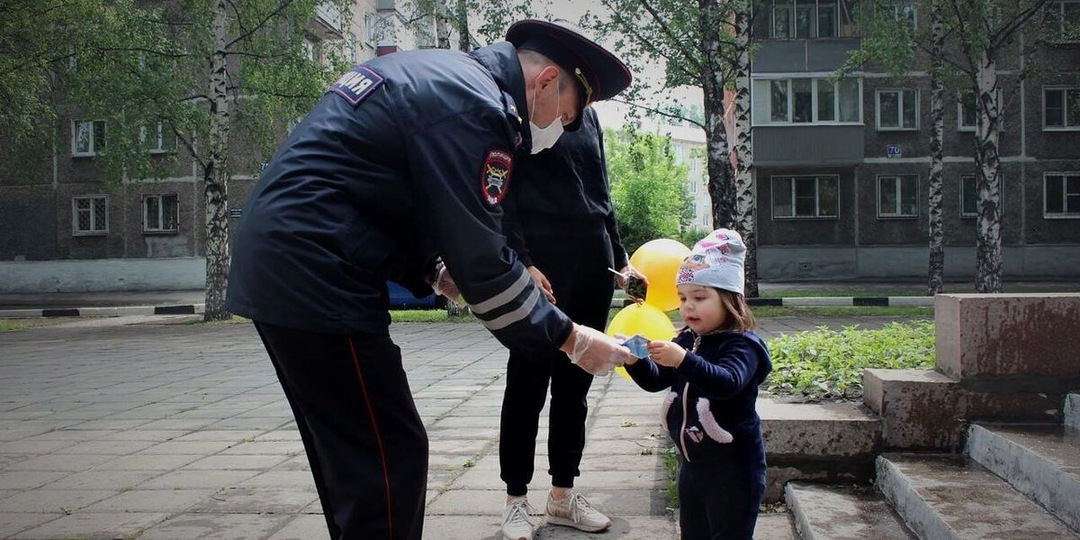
<point>560,220</point>
<point>398,174</point>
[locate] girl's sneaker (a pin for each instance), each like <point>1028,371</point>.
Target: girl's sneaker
<point>574,511</point>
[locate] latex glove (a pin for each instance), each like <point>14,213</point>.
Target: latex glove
<point>444,284</point>
<point>595,352</point>
<point>541,281</point>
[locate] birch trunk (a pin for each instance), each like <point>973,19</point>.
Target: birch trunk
<point>461,10</point>
<point>746,194</point>
<point>442,26</point>
<point>718,151</point>
<point>936,266</point>
<point>988,258</point>
<point>215,175</point>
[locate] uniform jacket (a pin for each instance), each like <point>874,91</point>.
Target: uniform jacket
<point>713,392</point>
<point>564,190</point>
<point>405,159</point>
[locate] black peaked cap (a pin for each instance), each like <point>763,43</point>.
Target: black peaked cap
<point>599,73</point>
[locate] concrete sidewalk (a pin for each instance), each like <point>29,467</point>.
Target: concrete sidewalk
<point>152,428</point>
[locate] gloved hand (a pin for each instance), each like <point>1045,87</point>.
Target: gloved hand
<point>593,351</point>
<point>444,284</point>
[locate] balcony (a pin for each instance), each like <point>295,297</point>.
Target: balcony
<point>330,21</point>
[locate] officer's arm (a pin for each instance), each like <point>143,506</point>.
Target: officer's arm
<point>463,166</point>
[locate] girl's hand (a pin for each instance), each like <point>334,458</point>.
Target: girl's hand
<point>666,353</point>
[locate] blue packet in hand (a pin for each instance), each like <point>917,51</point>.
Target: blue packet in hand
<point>638,345</point>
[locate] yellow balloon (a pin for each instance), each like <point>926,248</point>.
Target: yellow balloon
<point>644,319</point>
<point>659,261</point>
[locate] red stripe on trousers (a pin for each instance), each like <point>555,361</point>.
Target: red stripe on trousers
<point>378,438</point>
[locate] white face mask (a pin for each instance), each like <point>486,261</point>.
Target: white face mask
<point>546,137</point>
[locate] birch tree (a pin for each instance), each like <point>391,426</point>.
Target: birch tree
<point>890,40</point>
<point>705,45</point>
<point>472,21</point>
<point>985,31</point>
<point>965,42</point>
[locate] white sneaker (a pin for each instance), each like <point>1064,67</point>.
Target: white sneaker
<point>516,523</point>
<point>574,511</point>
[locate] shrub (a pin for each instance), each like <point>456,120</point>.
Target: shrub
<point>828,364</point>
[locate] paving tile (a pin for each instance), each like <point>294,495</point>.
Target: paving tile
<point>93,525</point>
<point>198,526</point>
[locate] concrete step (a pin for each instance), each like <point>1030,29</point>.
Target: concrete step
<point>839,512</point>
<point>1040,461</point>
<point>775,526</point>
<point>834,443</point>
<point>946,497</point>
<point>923,410</point>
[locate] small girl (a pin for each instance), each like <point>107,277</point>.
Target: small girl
<point>713,369</point>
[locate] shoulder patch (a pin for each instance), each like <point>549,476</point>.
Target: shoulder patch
<point>356,84</point>
<point>495,175</point>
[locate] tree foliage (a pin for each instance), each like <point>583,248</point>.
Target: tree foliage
<point>648,187</point>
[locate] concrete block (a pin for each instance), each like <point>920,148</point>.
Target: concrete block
<point>1071,412</point>
<point>1040,461</point>
<point>818,429</point>
<point>925,410</point>
<point>817,442</point>
<point>919,409</point>
<point>1009,342</point>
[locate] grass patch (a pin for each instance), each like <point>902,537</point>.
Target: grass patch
<point>828,364</point>
<point>428,316</point>
<point>11,325</point>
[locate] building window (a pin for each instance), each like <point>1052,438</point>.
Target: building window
<point>87,137</point>
<point>160,213</point>
<point>804,19</point>
<point>806,101</point>
<point>1065,16</point>
<point>898,196</point>
<point>805,197</point>
<point>905,11</point>
<point>158,139</point>
<point>90,215</point>
<point>967,114</point>
<point>897,110</point>
<point>969,196</point>
<point>1061,108</point>
<point>1061,195</point>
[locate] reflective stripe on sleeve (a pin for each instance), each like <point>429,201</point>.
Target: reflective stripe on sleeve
<point>503,298</point>
<point>502,321</point>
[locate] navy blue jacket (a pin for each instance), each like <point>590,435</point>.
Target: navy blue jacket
<point>714,387</point>
<point>405,159</point>
<point>565,191</point>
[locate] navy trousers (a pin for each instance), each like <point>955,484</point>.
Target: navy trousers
<point>364,439</point>
<point>583,287</point>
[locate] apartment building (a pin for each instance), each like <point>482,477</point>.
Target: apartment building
<point>841,165</point>
<point>63,227</point>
